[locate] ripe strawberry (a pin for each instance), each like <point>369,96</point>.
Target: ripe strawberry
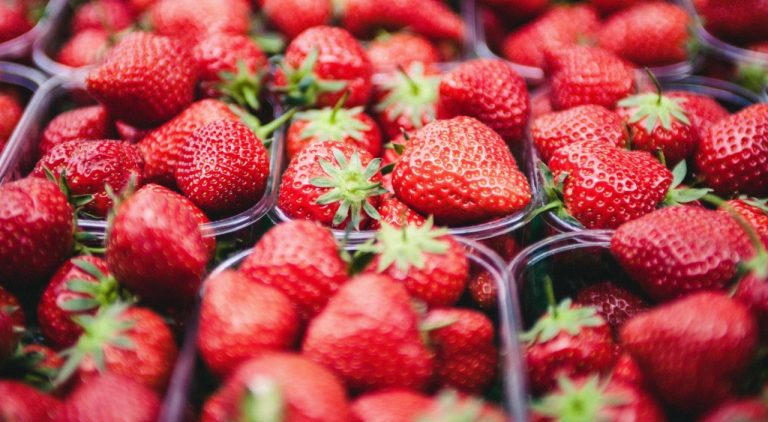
<point>319,64</point>
<point>110,16</point>
<point>568,340</point>
<point>282,15</point>
<point>13,22</point>
<point>613,303</point>
<point>90,166</point>
<point>156,248</point>
<point>161,148</point>
<point>731,156</point>
<point>131,133</point>
<point>145,79</point>
<point>463,340</point>
<point>84,123</point>
<point>111,397</point>
<point>701,110</point>
<point>85,48</point>
<point>301,259</point>
<point>429,262</point>
<point>745,410</point>
<point>648,34</point>
<point>587,75</point>
<point>388,52</point>
<point>332,183</point>
<point>380,347</point>
<point>36,232</point>
<point>561,26</point>
<point>587,122</point>
<point>694,349</point>
<point>191,20</point>
<point>430,18</point>
<point>431,176</point>
<point>490,91</point>
<point>10,114</point>
<point>279,386</point>
<point>626,371</point>
<point>240,319</point>
<point>755,212</point>
<point>743,20</point>
<point>752,291</point>
<point>482,288</point>
<point>22,403</point>
<point>449,405</point>
<point>393,405</point>
<point>407,98</point>
<point>396,214</point>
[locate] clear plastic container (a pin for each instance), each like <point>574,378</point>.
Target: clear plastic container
<point>18,76</point>
<point>21,46</point>
<point>46,47</point>
<point>508,323</point>
<point>21,155</point>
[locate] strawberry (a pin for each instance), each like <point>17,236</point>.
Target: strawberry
<point>128,341</point>
<point>755,212</point>
<point>517,9</point>
<point>145,79</point>
<point>431,175</point>
<point>449,405</point>
<point>731,156</point>
<point>694,349</point>
<point>22,403</point>
<point>429,262</point>
<point>407,99</point>
<point>626,370</point>
<point>648,34</point>
<point>85,48</point>
<point>701,250</point>
<point>561,26</point>
<point>430,18</point>
<point>388,52</point>
<point>131,133</point>
<point>568,340</point>
<point>11,308</point>
<point>10,114</point>
<point>368,335</point>
<point>279,386</point>
<point>393,405</point>
<point>90,166</point>
<point>191,20</point>
<point>752,291</point>
<point>155,247</point>
<point>36,232</point>
<point>742,20</point>
<point>332,183</point>
<point>701,110</point>
<point>463,341</point>
<point>9,339</point>
<point>111,397</point>
<point>13,22</point>
<point>591,399</point>
<point>161,148</point>
<point>482,288</point>
<point>301,259</point>
<point>319,63</point>
<point>106,15</point>
<point>396,214</point>
<point>79,124</point>
<point>612,302</point>
<point>745,410</point>
<point>282,15</point>
<point>490,91</point>
<point>587,122</point>
<point>606,7</point>
<point>240,319</point>
<point>587,75</point>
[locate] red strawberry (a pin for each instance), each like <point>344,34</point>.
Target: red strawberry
<point>742,20</point>
<point>561,26</point>
<point>733,155</point>
<point>130,133</point>
<point>79,124</point>
<point>282,15</point>
<point>145,79</point>
<point>463,340</point>
<point>517,9</point>
<point>700,249</point>
<point>407,99</point>
<point>319,64</point>
<point>10,114</point>
<point>744,410</point>
<point>587,75</point>
<point>752,291</point>
<point>106,15</point>
<point>587,122</point>
<point>161,148</point>
<point>85,48</point>
<point>90,166</point>
<point>432,174</point>
<point>388,52</point>
<point>111,397</point>
<point>156,248</point>
<point>568,340</point>
<point>301,259</point>
<point>701,110</point>
<point>332,183</point>
<point>490,91</point>
<point>613,303</point>
<point>279,386</point>
<point>36,232</point>
<point>606,7</point>
<point>591,400</point>
<point>429,262</point>
<point>9,305</point>
<point>368,334</point>
<point>449,405</point>
<point>13,22</point>
<point>396,214</point>
<point>755,212</point>
<point>390,406</point>
<point>240,319</point>
<point>430,18</point>
<point>22,403</point>
<point>626,370</point>
<point>482,288</point>
<point>191,20</point>
<point>693,350</point>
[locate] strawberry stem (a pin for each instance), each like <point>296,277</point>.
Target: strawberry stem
<point>339,105</point>
<point>414,86</point>
<point>549,290</point>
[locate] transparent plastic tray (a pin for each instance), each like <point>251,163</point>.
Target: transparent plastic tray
<point>21,46</point>
<point>46,47</point>
<point>29,80</point>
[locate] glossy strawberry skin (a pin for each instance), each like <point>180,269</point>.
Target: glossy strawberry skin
<point>282,14</point>
<point>737,21</point>
<point>13,23</point>
<point>84,48</point>
<point>393,405</point>
<point>131,133</point>
<point>221,52</point>
<point>405,114</point>
<point>10,114</point>
<point>482,288</point>
<point>107,15</point>
<point>430,18</point>
<point>613,302</point>
<point>191,20</point>
<point>395,213</point>
<point>23,403</point>
<point>702,111</point>
<point>401,49</point>
<point>86,123</point>
<point>370,140</point>
<point>755,216</point>
<point>753,292</point>
<point>109,396</point>
<point>430,176</point>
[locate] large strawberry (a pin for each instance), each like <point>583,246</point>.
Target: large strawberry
<point>407,98</point>
<point>702,110</point>
<point>430,18</point>
<point>319,64</point>
<point>145,79</point>
<point>613,303</point>
<point>79,124</point>
<point>368,334</point>
<point>700,249</point>
<point>240,319</point>
<point>491,92</point>
<point>394,405</point>
<point>85,48</point>
<point>693,350</point>
<point>301,259</point>
<point>388,52</point>
<point>191,20</point>
<point>282,15</point>
<point>10,114</point>
<point>22,403</point>
<point>107,15</point>
<point>280,387</point>
<point>13,22</point>
<point>460,171</point>
<point>111,397</point>
<point>742,20</point>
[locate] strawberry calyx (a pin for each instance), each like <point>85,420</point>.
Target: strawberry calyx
<point>105,291</point>
<point>262,131</point>
<point>241,86</point>
<point>654,108</point>
<point>584,402</point>
<point>262,401</point>
<point>350,184</point>
<point>452,408</point>
<point>677,195</point>
<point>302,86</point>
<point>562,317</point>
<point>761,204</point>
<point>752,76</point>
<point>334,123</point>
<point>411,93</point>
<point>407,246</point>
<point>553,195</point>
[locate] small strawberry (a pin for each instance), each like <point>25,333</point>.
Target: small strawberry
<point>22,403</point>
<point>13,22</point>
<point>430,18</point>
<point>240,319</point>
<point>396,214</point>
<point>84,123</point>
<point>111,397</point>
<point>368,334</point>
<point>752,291</point>
<point>10,114</point>
<point>407,99</point>
<point>693,350</point>
<point>301,259</point>
<point>743,410</point>
<point>110,16</point>
<point>490,91</point>
<point>145,79</point>
<point>702,111</point>
<point>394,405</point>
<point>613,303</point>
<point>85,48</point>
<point>388,52</point>
<point>191,20</point>
<point>432,174</point>
<point>282,15</point>
<point>482,288</point>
